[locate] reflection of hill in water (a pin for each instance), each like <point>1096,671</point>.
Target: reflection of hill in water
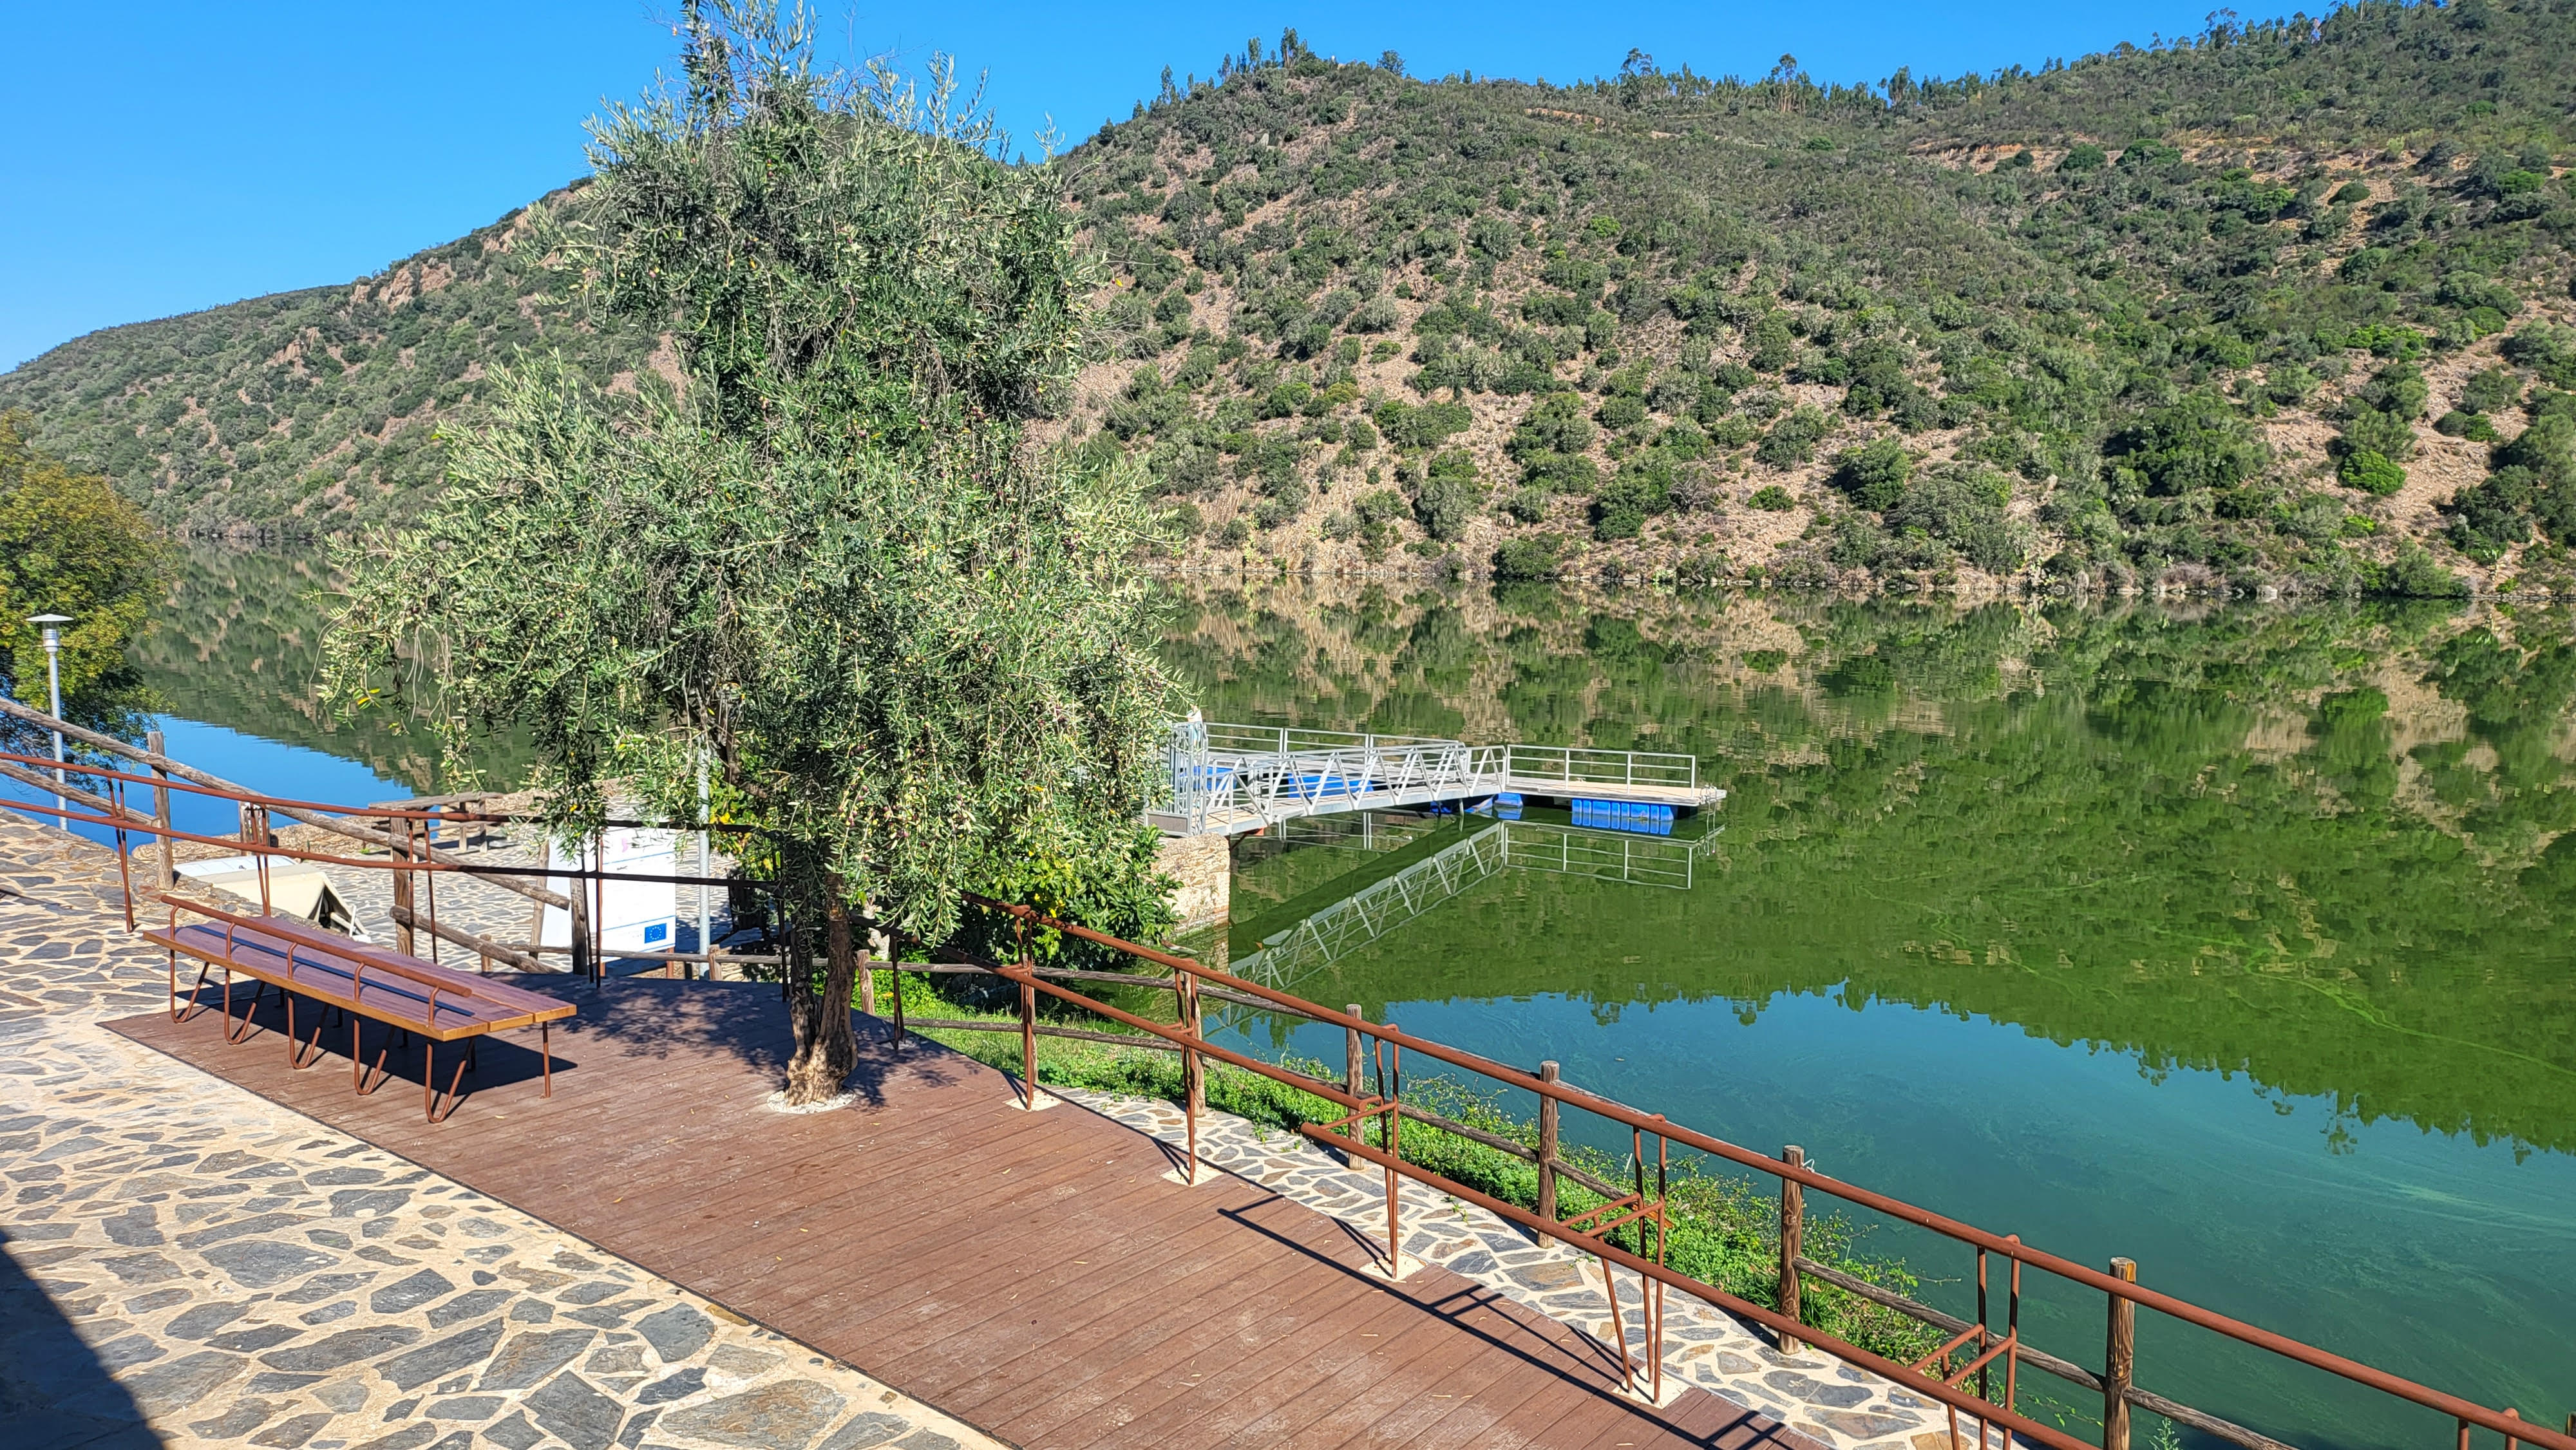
<point>2322,846</point>
<point>239,644</point>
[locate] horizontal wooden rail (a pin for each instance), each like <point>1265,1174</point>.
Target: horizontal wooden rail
<point>68,791</point>
<point>620,954</point>
<point>483,945</point>
<point>1042,1029</point>
<point>218,785</point>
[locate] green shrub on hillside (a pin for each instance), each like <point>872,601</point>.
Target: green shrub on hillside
<point>2370,471</point>
<point>1529,556</point>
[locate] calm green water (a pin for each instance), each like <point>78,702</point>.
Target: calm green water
<point>2234,941</point>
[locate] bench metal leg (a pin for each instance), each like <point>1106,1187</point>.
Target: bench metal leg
<point>239,1034</point>
<point>299,1054</point>
<point>430,1111</point>
<point>547,1050</point>
<point>360,1071</point>
<point>194,1007</point>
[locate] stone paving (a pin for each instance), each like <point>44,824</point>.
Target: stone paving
<point>187,1263</point>
<point>1704,1346</point>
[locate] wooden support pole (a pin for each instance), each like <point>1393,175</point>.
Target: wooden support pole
<point>1793,1228</point>
<point>1028,1042</point>
<point>1547,1110</point>
<point>1193,1069</point>
<point>2119,1360</point>
<point>1351,1073</point>
<point>578,921</point>
<point>161,815</point>
<point>1394,1138</point>
<point>403,904</point>
<point>599,909</point>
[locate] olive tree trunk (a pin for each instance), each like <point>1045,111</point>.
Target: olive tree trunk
<point>827,1045</point>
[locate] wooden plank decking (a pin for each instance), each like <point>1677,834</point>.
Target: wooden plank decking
<point>1031,1273</point>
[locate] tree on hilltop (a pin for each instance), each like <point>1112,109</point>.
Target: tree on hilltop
<point>913,641</point>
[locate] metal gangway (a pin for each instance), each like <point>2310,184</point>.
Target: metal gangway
<point>1227,779</point>
<point>1292,953</point>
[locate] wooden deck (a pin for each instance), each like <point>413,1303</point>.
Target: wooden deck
<point>1031,1273</point>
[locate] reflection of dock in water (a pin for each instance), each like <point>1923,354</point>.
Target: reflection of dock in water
<point>1286,955</point>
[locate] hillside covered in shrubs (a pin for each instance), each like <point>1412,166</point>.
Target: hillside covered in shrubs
<point>2283,306</point>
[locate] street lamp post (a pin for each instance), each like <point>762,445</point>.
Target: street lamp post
<point>53,627</point>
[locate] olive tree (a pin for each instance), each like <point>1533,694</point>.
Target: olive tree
<point>832,556</point>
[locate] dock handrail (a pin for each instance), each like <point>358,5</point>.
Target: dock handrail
<point>1583,765</point>
<point>1190,980</point>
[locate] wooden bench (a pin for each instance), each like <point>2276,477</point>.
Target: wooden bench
<point>435,1003</point>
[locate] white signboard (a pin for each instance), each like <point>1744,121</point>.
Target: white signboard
<point>634,916</point>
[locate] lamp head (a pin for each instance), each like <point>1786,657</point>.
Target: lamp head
<point>53,624</point>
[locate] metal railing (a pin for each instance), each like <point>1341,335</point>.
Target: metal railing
<point>1574,765</point>
<point>1221,777</point>
<point>1372,1091</point>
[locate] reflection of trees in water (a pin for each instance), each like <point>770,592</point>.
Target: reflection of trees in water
<point>239,644</point>
<point>2327,847</point>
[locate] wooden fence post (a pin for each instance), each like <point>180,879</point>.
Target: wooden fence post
<point>1193,1069</point>
<point>577,920</point>
<point>161,812</point>
<point>1351,1073</point>
<point>1393,1139</point>
<point>1547,1108</point>
<point>2119,1360</point>
<point>403,897</point>
<point>1028,1041</point>
<point>1793,1227</point>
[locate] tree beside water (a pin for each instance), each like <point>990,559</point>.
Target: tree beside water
<point>71,545</point>
<point>832,561</point>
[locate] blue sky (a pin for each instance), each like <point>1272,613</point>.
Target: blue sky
<point>165,157</point>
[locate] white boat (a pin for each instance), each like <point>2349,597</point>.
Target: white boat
<point>295,888</point>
